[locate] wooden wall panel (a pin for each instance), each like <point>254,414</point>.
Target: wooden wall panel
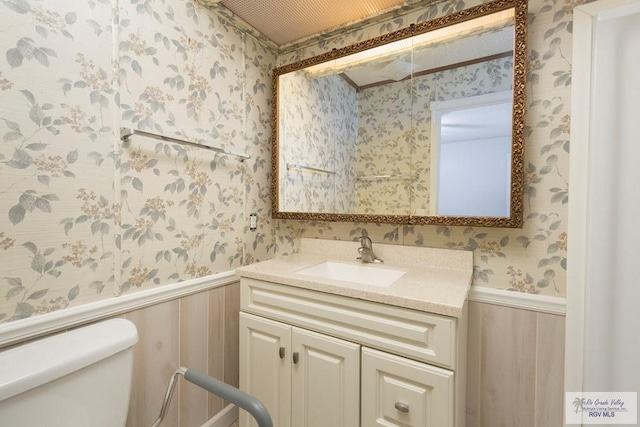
<point>194,334</point>
<point>507,367</point>
<point>473,365</point>
<point>199,331</point>
<point>514,368</point>
<point>232,334</point>
<point>216,344</point>
<point>156,356</point>
<point>550,371</point>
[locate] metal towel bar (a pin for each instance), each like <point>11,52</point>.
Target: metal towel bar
<point>217,387</point>
<point>125,133</point>
<point>381,177</point>
<point>311,168</point>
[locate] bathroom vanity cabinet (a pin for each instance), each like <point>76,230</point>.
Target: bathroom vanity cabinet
<point>319,359</point>
<point>301,375</point>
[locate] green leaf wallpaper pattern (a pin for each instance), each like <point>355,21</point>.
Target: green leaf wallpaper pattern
<point>84,217</point>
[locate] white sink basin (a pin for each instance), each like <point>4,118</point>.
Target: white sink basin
<point>364,274</point>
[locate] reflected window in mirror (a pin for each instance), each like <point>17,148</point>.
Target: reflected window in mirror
<point>471,155</point>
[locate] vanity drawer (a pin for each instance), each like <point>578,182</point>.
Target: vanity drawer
<point>415,334</point>
<point>400,392</point>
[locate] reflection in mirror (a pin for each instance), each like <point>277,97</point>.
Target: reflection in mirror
<point>471,155</point>
<point>363,136</point>
<point>383,144</point>
<point>318,121</point>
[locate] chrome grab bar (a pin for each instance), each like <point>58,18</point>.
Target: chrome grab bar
<point>219,388</point>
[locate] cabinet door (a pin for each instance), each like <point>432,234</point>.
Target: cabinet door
<point>265,367</point>
<point>325,381</point>
<point>401,392</point>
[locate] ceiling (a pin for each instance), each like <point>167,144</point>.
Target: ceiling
<point>286,21</point>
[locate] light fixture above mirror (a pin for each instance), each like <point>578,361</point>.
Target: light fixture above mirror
<point>357,146</point>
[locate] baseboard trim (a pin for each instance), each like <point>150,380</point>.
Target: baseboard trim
<point>224,418</point>
<point>532,302</point>
<point>36,326</point>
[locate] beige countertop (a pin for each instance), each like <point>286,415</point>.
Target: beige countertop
<point>435,280</point>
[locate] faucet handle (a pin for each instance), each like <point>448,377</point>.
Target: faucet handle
<point>366,242</point>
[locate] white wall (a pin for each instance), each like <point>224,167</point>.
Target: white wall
<point>603,299</point>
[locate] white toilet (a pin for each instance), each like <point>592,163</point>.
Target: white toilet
<point>80,378</point>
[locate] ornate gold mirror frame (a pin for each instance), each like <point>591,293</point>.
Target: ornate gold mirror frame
<point>515,218</point>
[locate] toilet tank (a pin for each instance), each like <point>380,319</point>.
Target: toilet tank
<point>79,378</point>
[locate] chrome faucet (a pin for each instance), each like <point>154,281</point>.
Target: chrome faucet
<point>366,251</point>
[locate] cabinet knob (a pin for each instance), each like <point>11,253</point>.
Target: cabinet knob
<point>296,357</point>
<point>281,352</point>
<point>402,407</point>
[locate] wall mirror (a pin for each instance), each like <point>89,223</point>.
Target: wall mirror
<point>424,125</point>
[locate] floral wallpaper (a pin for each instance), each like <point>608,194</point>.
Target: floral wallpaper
<point>84,216</point>
<point>385,139</point>
<point>318,128</point>
<point>531,259</point>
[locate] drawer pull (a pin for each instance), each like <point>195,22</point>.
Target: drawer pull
<point>296,357</point>
<point>281,352</point>
<point>402,407</point>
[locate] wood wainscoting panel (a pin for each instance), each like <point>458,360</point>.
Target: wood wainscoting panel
<point>193,355</point>
<point>550,370</point>
<point>473,364</point>
<point>514,368</point>
<point>198,331</point>
<point>156,356</point>
<point>216,322</point>
<point>507,352</point>
<point>232,334</point>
